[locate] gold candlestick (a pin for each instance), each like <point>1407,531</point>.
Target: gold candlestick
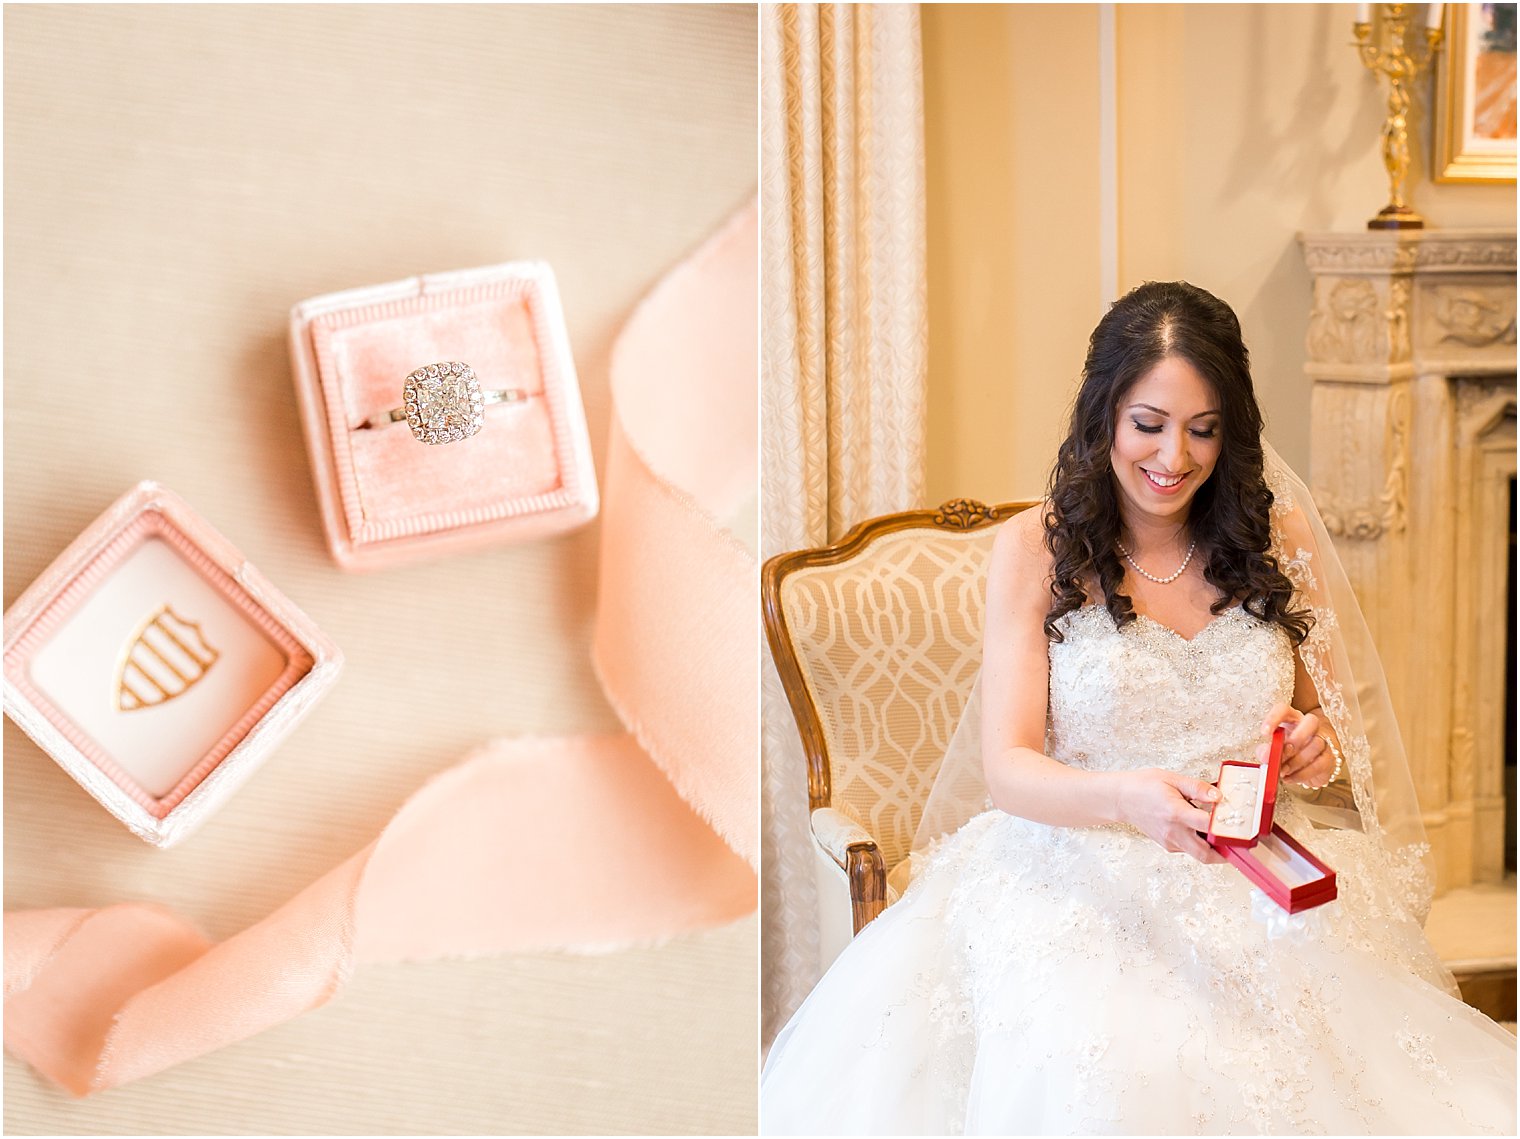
<point>1394,59</point>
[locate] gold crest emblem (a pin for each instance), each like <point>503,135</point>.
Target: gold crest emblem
<point>166,658</point>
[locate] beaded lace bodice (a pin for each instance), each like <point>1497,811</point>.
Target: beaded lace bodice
<point>1144,696</point>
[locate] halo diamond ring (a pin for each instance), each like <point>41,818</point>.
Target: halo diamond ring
<point>443,403</point>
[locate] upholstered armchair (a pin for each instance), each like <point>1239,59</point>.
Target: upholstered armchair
<point>877,639</point>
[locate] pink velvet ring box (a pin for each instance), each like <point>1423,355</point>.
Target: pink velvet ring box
<point>1242,829</point>
<point>157,667</point>
<point>385,496</point>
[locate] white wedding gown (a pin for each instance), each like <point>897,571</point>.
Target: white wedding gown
<point>1051,980</point>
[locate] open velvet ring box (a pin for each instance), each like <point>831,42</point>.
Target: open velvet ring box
<point>1241,828</point>
<point>157,666</point>
<point>387,497</point>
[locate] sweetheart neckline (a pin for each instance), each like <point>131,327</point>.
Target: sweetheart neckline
<point>1165,628</point>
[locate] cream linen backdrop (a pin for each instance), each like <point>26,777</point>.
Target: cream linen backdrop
<point>176,178</point>
<point>842,360</point>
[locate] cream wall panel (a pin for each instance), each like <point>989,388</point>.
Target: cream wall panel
<point>1011,143</point>
<point>1149,65</point>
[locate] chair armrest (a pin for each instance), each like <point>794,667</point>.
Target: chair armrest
<point>853,849</point>
<point>836,832</point>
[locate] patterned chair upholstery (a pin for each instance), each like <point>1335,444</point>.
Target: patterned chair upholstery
<point>877,639</point>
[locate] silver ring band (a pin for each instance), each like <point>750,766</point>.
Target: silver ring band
<point>443,403</point>
<point>487,397</point>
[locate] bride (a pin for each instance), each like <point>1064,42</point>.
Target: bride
<point>1077,959</point>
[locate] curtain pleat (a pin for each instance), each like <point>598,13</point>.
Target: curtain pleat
<point>842,363</point>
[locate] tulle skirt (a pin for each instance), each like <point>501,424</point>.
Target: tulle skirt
<point>1040,980</point>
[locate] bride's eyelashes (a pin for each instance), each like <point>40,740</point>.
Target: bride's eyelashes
<point>1152,429</point>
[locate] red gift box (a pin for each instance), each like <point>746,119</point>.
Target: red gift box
<point>1241,828</point>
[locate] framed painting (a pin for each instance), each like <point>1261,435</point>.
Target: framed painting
<point>1475,96</point>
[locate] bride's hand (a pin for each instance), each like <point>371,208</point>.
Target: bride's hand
<point>1161,805</point>
<point>1306,759</point>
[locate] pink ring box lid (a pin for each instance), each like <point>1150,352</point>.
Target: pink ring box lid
<point>158,667</point>
<point>387,498</point>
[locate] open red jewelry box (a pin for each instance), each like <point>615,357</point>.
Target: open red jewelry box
<point>158,667</point>
<point>1241,828</point>
<point>385,496</point>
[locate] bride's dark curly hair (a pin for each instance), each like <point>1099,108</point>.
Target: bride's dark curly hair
<point>1229,515</point>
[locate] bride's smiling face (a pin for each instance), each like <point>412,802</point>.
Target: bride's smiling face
<point>1167,437</point>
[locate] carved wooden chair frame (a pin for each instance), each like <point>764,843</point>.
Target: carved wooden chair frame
<point>861,859</point>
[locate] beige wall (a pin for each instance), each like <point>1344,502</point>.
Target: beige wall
<point>1239,125</point>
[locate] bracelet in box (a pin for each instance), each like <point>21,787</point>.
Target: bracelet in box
<point>1241,827</point>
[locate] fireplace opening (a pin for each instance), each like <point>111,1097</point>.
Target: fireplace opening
<point>1509,700</point>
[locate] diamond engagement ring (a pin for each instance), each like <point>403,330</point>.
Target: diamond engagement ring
<point>443,403</point>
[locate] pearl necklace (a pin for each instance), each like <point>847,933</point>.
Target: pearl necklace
<point>1162,580</point>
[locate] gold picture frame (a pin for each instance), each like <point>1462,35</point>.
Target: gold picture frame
<point>1475,86</point>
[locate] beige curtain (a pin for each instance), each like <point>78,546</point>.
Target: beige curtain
<point>843,359</point>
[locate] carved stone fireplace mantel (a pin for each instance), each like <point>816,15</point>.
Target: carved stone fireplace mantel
<point>1412,448</point>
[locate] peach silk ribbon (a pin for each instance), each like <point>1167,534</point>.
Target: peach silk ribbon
<point>654,832</point>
